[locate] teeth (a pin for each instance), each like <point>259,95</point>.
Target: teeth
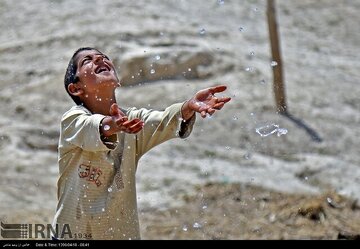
<point>102,69</point>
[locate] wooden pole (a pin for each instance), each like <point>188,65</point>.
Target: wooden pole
<point>278,83</point>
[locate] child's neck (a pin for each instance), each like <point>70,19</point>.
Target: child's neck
<point>100,103</point>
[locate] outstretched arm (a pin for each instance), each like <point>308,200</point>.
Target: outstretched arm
<point>204,102</point>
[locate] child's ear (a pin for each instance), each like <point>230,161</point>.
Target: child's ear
<point>75,89</point>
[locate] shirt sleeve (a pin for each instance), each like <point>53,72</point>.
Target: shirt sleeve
<point>160,126</point>
<point>82,129</point>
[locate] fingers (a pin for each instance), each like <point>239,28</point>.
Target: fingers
<point>218,106</point>
<point>206,109</point>
<point>217,89</point>
<point>131,126</point>
<point>115,111</point>
<point>203,114</point>
<point>225,99</point>
<point>137,127</point>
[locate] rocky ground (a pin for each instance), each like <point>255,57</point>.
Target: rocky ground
<point>225,181</point>
<point>240,212</point>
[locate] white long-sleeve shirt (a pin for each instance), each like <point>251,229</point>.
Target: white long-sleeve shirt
<point>96,187</point>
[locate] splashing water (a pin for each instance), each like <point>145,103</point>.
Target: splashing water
<point>269,129</point>
<point>273,64</point>
<point>197,225</point>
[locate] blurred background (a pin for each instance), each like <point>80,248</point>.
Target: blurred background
<point>245,173</point>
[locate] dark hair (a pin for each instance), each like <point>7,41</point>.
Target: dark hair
<point>70,75</point>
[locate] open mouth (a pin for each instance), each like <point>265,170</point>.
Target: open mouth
<point>101,69</point>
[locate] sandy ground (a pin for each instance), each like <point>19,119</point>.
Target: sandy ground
<point>320,49</point>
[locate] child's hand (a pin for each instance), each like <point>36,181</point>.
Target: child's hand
<point>118,121</point>
<point>122,122</point>
<point>205,102</point>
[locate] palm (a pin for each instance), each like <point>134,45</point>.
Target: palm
<point>205,100</point>
<point>202,98</point>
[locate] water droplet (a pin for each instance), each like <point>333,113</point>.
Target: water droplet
<point>110,189</point>
<point>247,156</point>
<point>272,218</point>
<point>152,71</point>
<point>185,228</point>
<point>221,2</point>
<point>202,31</point>
<point>157,57</point>
<point>197,225</point>
<point>235,118</point>
<point>85,196</point>
<point>129,147</point>
<point>329,200</point>
<point>228,147</point>
<point>103,209</point>
<point>189,69</point>
<point>204,207</point>
<point>281,131</point>
<point>161,33</point>
<point>252,53</point>
<point>241,29</point>
<point>106,127</point>
<point>248,69</point>
<point>269,129</point>
<point>273,63</point>
<point>262,82</point>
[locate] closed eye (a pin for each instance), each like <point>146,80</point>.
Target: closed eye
<point>85,60</point>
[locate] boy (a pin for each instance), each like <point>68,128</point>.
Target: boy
<point>100,145</point>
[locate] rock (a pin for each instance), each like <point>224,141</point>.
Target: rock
<point>146,67</point>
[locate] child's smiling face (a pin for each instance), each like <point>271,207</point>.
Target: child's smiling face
<point>95,71</point>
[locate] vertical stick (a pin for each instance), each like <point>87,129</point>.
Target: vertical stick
<point>278,84</point>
